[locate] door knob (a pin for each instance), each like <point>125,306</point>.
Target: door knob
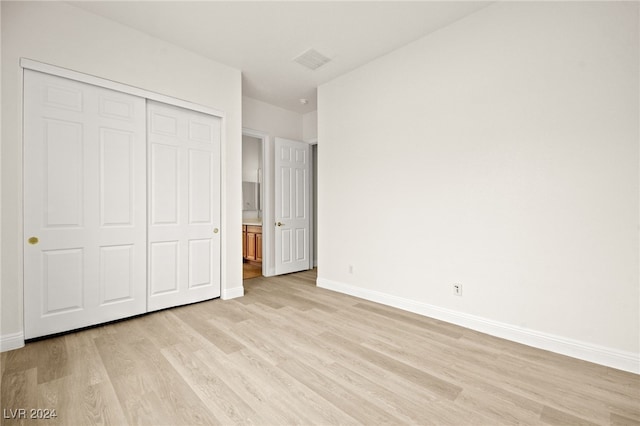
<point>33,240</point>
<point>280,224</point>
<point>215,230</point>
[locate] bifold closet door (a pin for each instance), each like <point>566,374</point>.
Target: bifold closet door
<point>184,205</point>
<point>84,204</point>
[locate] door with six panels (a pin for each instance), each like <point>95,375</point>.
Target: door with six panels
<point>184,206</point>
<point>121,205</point>
<point>84,204</point>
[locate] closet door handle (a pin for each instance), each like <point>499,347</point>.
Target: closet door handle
<point>215,230</point>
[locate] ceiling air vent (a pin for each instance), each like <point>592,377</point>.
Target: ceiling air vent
<point>311,59</point>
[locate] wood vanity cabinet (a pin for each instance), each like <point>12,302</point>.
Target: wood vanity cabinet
<point>259,246</point>
<point>244,241</point>
<point>252,242</point>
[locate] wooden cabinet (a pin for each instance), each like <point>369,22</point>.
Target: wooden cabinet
<point>252,243</point>
<point>259,246</point>
<point>244,241</point>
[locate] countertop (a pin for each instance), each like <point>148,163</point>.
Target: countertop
<point>255,221</point>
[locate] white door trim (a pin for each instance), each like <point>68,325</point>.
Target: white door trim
<point>113,85</point>
<point>312,205</point>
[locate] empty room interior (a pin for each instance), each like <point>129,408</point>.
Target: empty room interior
<point>320,212</point>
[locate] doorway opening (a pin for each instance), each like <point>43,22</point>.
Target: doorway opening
<point>264,249</point>
<point>253,204</point>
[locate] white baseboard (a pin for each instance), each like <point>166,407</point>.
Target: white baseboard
<point>9,342</point>
<point>621,360</point>
<point>232,293</point>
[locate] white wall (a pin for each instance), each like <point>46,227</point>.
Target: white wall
<point>251,169</point>
<point>501,153</point>
<point>270,119</point>
<point>1,202</point>
<point>65,36</point>
<point>310,126</point>
<point>251,159</point>
<point>310,134</point>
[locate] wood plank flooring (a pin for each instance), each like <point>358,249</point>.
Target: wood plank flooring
<point>250,270</point>
<point>291,353</point>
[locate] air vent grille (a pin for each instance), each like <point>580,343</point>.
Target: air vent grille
<point>311,59</point>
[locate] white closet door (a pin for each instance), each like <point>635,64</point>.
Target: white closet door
<point>84,204</point>
<point>184,206</point>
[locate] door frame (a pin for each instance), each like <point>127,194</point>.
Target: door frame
<point>30,64</point>
<point>313,208</point>
<point>266,195</point>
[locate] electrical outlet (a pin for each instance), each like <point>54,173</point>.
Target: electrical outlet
<point>457,289</point>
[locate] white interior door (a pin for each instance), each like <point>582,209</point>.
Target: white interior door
<point>292,210</point>
<point>84,204</point>
<point>184,206</point>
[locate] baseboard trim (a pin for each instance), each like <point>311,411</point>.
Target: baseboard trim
<point>232,293</point>
<point>626,361</point>
<point>9,342</point>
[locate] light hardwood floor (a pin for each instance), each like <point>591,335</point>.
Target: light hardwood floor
<point>291,353</point>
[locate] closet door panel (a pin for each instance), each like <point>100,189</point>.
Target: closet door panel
<point>63,160</point>
<point>117,274</point>
<point>164,201</point>
<point>164,262</point>
<point>62,281</point>
<point>200,265</point>
<point>184,206</point>
<point>116,178</point>
<point>200,190</point>
<point>84,204</point>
